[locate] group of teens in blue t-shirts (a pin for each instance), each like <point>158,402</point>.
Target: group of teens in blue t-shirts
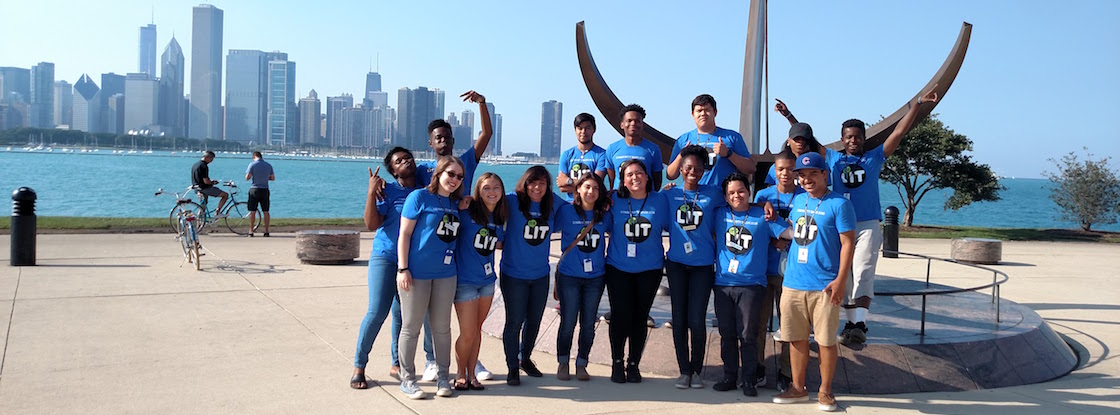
<point>438,230</point>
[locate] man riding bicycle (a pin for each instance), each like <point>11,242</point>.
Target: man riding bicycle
<point>200,177</point>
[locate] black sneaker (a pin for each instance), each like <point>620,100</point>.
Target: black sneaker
<point>633,375</point>
<point>858,334</point>
<point>618,372</point>
<point>530,368</point>
<point>784,382</point>
<point>725,385</point>
<point>749,390</point>
<point>513,378</point>
<point>759,377</point>
<point>843,337</point>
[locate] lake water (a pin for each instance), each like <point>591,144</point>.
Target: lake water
<point>111,184</point>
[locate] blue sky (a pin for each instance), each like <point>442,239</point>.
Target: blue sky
<point>1040,79</point>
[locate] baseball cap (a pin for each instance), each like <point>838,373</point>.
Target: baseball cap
<point>810,160</point>
<point>801,130</point>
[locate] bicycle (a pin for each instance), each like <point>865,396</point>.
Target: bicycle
<point>188,238</point>
<point>237,213</point>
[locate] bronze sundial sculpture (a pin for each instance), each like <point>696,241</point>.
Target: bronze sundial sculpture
<point>752,105</point>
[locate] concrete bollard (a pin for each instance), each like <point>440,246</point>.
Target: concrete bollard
<point>23,227</point>
<point>890,232</point>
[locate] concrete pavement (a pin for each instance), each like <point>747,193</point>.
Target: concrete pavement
<point>110,323</point>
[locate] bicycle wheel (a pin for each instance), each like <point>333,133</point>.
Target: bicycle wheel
<point>185,241</point>
<point>173,216</point>
<point>237,219</point>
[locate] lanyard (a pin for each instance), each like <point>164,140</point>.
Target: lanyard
<point>643,206</point>
<point>812,214</point>
<point>443,218</point>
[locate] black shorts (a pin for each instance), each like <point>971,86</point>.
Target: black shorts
<point>258,196</point>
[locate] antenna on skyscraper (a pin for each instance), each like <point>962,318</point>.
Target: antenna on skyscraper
<point>153,13</point>
<point>378,62</point>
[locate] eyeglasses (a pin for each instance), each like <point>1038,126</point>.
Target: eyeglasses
<point>454,175</point>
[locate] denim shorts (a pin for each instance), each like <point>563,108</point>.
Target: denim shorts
<point>471,292</point>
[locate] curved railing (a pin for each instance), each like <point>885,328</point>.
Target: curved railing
<point>994,285</point>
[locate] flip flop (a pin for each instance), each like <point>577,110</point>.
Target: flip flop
<point>359,381</point>
<point>476,385</point>
<point>461,385</point>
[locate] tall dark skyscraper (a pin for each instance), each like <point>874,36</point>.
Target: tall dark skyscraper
<point>42,95</point>
<point>112,112</point>
<point>415,109</point>
<point>15,84</point>
<point>171,102</point>
<point>551,114</point>
<point>206,73</point>
<point>495,146</point>
<point>374,97</point>
<point>147,53</point>
<point>373,83</point>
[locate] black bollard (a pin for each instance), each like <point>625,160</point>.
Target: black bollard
<point>890,232</point>
<point>23,227</point>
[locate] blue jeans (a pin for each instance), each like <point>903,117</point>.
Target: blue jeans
<point>429,352</point>
<point>689,289</point>
<point>382,288</point>
<point>525,300</point>
<point>579,301</point>
<point>737,312</point>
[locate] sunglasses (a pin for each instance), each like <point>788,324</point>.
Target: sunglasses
<point>454,175</point>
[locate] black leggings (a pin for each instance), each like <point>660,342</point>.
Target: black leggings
<point>631,296</point>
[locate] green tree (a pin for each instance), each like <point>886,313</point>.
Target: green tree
<point>1086,192</point>
<point>932,156</point>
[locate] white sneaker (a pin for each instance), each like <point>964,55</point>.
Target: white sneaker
<point>412,390</point>
<point>220,216</point>
<point>431,372</point>
<point>443,388</point>
<point>480,371</point>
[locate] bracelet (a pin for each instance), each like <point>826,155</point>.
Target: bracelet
<point>400,270</point>
<point>788,114</point>
<point>919,100</point>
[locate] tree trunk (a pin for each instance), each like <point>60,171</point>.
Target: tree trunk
<point>908,217</point>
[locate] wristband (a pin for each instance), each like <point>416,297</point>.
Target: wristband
<point>919,100</point>
<point>400,270</point>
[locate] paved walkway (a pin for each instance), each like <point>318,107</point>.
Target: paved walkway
<point>111,323</point>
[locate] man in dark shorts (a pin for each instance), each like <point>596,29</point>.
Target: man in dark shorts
<point>200,176</point>
<point>260,172</point>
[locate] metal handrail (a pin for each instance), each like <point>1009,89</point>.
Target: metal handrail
<point>995,285</point>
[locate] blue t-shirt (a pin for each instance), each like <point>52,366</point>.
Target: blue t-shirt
<point>817,225</point>
<point>781,203</point>
<point>744,242</point>
<point>259,170</point>
<point>474,254</point>
<point>424,170</point>
<point>691,223</point>
<point>390,207</point>
<point>618,152</point>
<point>525,251</point>
<point>433,238</point>
<point>636,233</point>
<point>721,166</point>
<point>593,247</point>
<point>857,178</point>
<point>576,163</point>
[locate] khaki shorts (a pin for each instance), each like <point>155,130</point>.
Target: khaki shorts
<point>801,310</point>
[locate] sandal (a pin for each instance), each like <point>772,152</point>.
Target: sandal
<point>359,381</point>
<point>476,385</point>
<point>461,385</point>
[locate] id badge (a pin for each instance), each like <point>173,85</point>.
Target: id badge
<point>733,266</point>
<point>488,268</point>
<point>802,255</point>
<point>631,250</point>
<point>447,258</point>
<point>587,265</point>
<point>688,247</point>
<point>688,228</point>
<point>848,195</point>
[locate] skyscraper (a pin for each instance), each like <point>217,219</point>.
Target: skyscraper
<point>495,146</point>
<point>335,105</point>
<point>415,109</point>
<point>42,95</point>
<point>147,53</point>
<point>63,103</point>
<point>206,73</point>
<point>551,115</point>
<point>246,96</point>
<point>283,117</point>
<point>309,111</point>
<point>15,84</point>
<point>171,102</point>
<point>373,83</point>
<point>87,106</point>
<point>112,113</point>
<point>437,104</point>
<point>141,101</point>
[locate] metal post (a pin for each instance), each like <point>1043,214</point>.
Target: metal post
<point>23,227</point>
<point>890,232</point>
<point>923,333</point>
